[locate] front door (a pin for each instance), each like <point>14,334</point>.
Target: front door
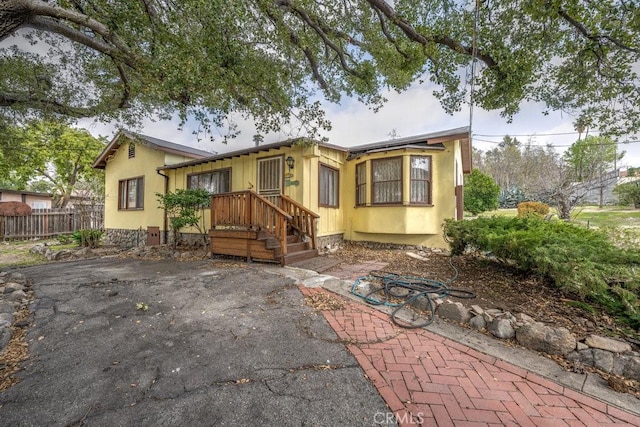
<point>270,177</point>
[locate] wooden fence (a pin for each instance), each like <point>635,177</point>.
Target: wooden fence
<point>43,223</point>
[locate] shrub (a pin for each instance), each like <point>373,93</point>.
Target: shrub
<point>87,237</point>
<point>537,209</point>
<point>581,261</point>
<point>182,209</point>
<point>629,193</point>
<point>480,193</point>
<point>510,197</point>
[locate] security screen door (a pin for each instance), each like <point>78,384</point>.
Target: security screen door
<point>270,178</point>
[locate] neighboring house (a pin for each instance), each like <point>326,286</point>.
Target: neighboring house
<point>397,191</point>
<point>33,199</point>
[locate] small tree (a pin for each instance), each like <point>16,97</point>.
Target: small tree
<point>182,208</point>
<point>629,193</point>
<point>480,193</point>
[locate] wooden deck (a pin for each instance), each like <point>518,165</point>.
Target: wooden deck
<point>247,225</point>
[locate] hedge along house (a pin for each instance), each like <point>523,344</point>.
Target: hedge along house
<point>283,201</point>
<point>130,160</point>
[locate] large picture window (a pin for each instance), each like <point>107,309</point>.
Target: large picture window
<point>421,180</point>
<point>214,182</point>
<point>131,193</point>
<point>329,181</point>
<point>386,181</point>
<point>361,184</point>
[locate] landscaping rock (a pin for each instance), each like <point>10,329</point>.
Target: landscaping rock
<point>602,359</point>
<point>501,328</point>
<point>477,310</point>
<point>84,253</point>
<point>6,318</point>
<point>525,319</point>
<point>631,367</point>
<point>17,296</point>
<point>539,337</point>
<point>6,307</point>
<point>58,255</point>
<point>12,287</point>
<point>581,346</point>
<point>478,322</point>
<point>5,337</point>
<point>454,311</point>
<point>604,343</point>
<point>17,278</point>
<point>39,249</point>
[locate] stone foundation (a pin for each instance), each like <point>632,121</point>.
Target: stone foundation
<point>194,240</point>
<point>326,243</point>
<point>127,238</point>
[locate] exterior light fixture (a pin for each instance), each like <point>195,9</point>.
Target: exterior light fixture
<point>290,162</point>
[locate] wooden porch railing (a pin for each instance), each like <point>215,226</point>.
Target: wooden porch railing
<point>250,210</point>
<point>302,219</point>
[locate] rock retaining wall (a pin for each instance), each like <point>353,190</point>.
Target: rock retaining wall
<point>14,296</point>
<point>609,355</point>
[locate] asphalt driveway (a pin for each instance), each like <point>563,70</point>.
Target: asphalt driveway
<point>216,346</point>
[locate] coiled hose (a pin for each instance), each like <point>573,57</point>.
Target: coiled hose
<point>399,291</point>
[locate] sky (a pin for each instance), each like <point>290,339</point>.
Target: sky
<point>412,112</point>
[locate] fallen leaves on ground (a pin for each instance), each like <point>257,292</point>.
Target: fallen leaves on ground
<point>324,301</point>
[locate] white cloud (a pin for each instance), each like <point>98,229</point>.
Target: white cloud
<point>412,112</point>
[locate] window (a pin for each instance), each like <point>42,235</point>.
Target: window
<point>329,181</point>
<point>361,184</point>
<point>421,180</point>
<point>386,181</point>
<point>132,150</point>
<point>131,193</point>
<point>214,182</point>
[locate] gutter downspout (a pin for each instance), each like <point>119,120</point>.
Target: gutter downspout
<point>166,221</point>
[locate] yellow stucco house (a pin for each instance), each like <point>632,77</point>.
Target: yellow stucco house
<point>283,200</point>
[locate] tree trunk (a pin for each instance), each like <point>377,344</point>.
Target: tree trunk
<point>13,15</point>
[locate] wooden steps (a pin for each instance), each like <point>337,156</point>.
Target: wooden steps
<point>259,246</point>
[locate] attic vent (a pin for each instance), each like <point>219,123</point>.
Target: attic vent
<point>132,151</point>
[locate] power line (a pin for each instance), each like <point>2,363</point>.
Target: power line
<point>559,145</point>
<point>528,135</point>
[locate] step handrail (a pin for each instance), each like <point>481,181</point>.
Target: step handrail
<point>302,218</point>
<point>249,209</point>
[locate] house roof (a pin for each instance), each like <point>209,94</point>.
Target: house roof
<point>413,141</point>
<point>251,150</point>
<point>159,144</point>
<point>27,193</point>
<point>432,141</point>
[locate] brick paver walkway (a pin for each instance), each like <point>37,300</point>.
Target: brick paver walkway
<point>430,380</point>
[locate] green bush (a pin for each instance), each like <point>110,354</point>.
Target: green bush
<point>537,209</point>
<point>583,262</point>
<point>480,193</point>
<point>87,237</point>
<point>510,197</point>
<point>629,193</point>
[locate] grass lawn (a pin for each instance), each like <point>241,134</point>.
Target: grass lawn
<point>592,216</point>
<point>621,222</point>
<point>16,253</point>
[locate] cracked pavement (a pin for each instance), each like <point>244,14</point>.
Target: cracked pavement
<point>217,346</point>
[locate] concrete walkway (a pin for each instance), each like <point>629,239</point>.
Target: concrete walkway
<point>452,376</point>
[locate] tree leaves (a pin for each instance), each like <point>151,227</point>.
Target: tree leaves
<point>271,59</point>
<point>46,154</point>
